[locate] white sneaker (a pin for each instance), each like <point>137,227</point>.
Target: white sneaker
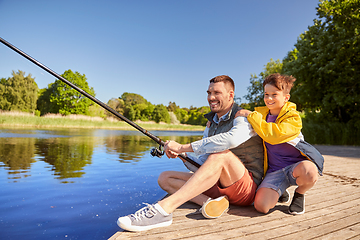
<point>144,219</point>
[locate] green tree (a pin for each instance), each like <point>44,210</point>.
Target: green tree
<point>196,116</point>
<point>161,114</point>
<point>326,63</point>
<point>43,103</point>
<point>61,98</point>
<point>182,114</point>
<point>135,106</point>
<point>18,93</point>
<point>147,113</point>
<point>4,103</point>
<point>117,104</point>
<point>133,99</point>
<point>172,107</point>
<point>255,94</point>
<point>130,113</point>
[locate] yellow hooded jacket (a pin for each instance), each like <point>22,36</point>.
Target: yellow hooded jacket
<point>286,129</point>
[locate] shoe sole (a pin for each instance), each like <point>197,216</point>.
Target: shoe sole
<point>297,213</point>
<point>142,228</point>
<point>215,208</point>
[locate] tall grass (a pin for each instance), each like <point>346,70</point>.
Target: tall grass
<point>21,119</point>
<point>331,133</point>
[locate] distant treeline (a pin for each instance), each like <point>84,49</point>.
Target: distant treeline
<point>325,62</point>
<point>21,93</point>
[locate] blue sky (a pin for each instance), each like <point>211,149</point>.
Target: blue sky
<point>163,50</point>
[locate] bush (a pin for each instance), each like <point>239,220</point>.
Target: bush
<point>331,132</point>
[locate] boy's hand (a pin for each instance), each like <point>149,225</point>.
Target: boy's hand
<point>242,113</point>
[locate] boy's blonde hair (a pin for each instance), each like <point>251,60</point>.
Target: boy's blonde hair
<point>282,82</point>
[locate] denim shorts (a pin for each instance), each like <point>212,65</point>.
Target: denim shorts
<point>280,180</point>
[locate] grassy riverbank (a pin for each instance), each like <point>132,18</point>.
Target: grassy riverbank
<point>25,120</point>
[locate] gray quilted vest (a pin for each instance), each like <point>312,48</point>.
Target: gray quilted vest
<point>250,153</point>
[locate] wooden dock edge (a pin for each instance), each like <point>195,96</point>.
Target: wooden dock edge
<point>332,210</point>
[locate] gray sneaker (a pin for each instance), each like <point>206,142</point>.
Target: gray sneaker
<point>144,219</point>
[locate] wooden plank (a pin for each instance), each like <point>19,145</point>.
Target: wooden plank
<point>275,226</point>
<point>332,211</point>
<point>348,232</point>
<point>226,224</point>
<point>328,227</point>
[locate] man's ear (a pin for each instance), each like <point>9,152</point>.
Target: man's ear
<point>232,94</point>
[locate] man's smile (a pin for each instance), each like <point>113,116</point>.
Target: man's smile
<point>214,103</point>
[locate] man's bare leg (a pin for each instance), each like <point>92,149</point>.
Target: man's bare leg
<point>172,181</point>
<point>224,166</point>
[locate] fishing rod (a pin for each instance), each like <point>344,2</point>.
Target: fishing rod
<point>154,152</point>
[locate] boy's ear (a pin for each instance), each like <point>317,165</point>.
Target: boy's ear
<point>287,97</point>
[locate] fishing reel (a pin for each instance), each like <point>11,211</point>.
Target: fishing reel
<point>157,152</point>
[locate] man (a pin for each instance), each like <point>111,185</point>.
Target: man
<point>224,176</point>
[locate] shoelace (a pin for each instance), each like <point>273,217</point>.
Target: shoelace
<point>141,213</point>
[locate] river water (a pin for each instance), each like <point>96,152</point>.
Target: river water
<point>74,184</point>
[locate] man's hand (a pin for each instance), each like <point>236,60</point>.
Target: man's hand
<point>172,149</point>
<point>242,113</point>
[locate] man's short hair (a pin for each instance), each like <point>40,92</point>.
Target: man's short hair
<point>282,82</point>
<point>224,78</point>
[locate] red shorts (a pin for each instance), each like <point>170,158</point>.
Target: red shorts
<point>240,193</point>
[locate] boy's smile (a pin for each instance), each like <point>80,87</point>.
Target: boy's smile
<point>274,98</point>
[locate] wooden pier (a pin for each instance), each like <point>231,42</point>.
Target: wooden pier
<point>332,210</point>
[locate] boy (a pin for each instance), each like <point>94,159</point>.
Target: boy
<point>290,160</point>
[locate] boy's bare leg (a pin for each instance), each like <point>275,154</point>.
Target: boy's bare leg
<point>306,175</point>
<point>265,199</point>
<point>224,166</point>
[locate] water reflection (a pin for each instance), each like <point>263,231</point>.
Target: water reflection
<point>130,148</point>
<point>67,156</point>
<point>16,155</point>
<point>109,174</point>
<point>67,153</point>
